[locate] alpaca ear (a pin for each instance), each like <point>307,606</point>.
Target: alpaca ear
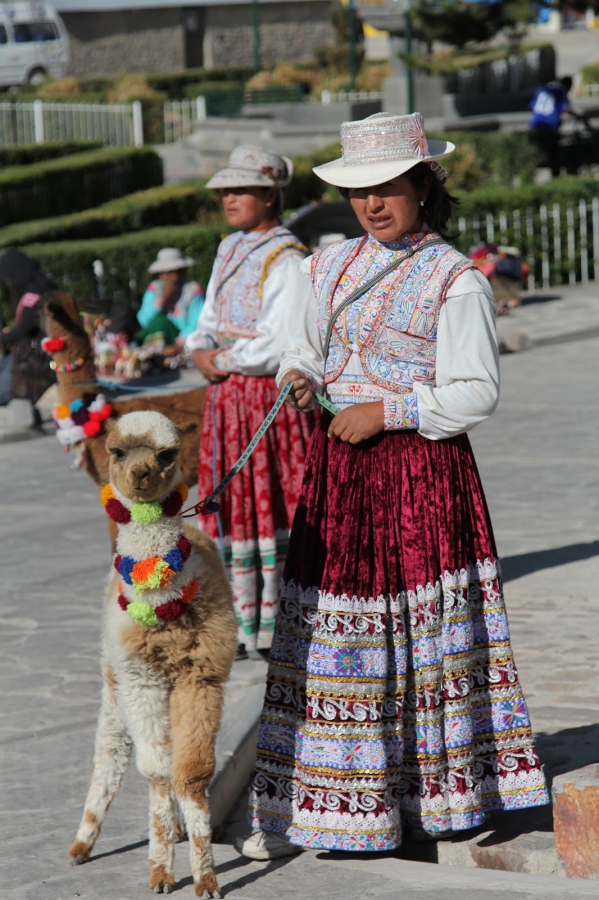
<point>186,427</point>
<point>109,425</point>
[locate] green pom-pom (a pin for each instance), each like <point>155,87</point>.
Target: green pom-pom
<point>142,613</point>
<point>161,575</point>
<point>146,513</point>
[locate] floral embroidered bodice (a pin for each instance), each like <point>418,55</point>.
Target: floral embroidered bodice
<point>387,338</point>
<point>243,263</point>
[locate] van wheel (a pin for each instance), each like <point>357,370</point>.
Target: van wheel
<point>37,76</point>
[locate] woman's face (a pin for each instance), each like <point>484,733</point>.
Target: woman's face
<point>249,208</point>
<point>389,210</point>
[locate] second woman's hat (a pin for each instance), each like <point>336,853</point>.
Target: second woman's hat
<point>170,259</point>
<point>379,148</point>
<point>253,167</point>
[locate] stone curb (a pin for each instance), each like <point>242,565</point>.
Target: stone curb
<point>518,341</point>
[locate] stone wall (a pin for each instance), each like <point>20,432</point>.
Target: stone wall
<point>289,32</point>
<point>126,41</point>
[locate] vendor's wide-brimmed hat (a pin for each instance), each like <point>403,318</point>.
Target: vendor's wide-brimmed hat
<point>170,260</point>
<point>382,147</point>
<point>253,167</point>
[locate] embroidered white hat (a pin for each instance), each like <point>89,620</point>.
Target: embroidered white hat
<point>381,147</point>
<point>253,167</point>
<point>170,259</point>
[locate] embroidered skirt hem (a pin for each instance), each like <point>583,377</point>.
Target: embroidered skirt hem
<point>392,694</point>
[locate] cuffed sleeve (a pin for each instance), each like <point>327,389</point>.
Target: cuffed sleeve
<point>401,412</point>
<point>466,391</point>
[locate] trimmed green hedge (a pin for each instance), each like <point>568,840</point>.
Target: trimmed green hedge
<point>126,258</point>
<point>26,154</point>
<point>75,182</point>
<point>179,204</point>
<point>567,191</point>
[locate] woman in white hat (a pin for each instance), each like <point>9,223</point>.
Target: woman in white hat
<point>237,345</point>
<point>171,295</point>
<point>392,697</point>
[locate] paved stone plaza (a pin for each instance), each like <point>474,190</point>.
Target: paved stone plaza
<point>540,466</point>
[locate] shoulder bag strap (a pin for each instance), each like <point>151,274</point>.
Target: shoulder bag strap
<point>362,289</point>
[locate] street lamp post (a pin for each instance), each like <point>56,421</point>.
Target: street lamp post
<point>256,27</point>
<point>353,63</point>
<point>407,18</point>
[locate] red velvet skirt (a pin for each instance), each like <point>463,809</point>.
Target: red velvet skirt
<point>257,508</point>
<point>392,693</point>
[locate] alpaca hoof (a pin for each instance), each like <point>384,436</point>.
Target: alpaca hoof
<point>161,888</point>
<point>168,889</point>
<point>157,888</point>
<point>77,861</point>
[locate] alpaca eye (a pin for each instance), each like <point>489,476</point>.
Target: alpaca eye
<point>166,457</point>
<point>118,453</point>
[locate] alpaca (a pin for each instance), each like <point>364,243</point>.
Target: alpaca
<point>169,640</point>
<point>61,319</point>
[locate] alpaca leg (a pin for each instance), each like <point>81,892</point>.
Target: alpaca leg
<point>195,716</point>
<point>148,720</point>
<point>112,754</point>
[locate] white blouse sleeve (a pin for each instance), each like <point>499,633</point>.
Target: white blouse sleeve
<point>467,383</point>
<point>260,355</point>
<point>205,336</point>
<point>302,347</point>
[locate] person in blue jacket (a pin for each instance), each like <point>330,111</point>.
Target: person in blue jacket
<point>171,295</point>
<point>548,105</point>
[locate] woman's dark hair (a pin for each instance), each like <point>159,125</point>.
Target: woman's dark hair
<point>23,275</point>
<point>439,203</point>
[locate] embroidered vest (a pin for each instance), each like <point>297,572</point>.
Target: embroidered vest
<point>242,265</point>
<point>395,323</point>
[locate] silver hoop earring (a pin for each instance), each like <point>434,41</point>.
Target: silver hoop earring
<point>422,203</point>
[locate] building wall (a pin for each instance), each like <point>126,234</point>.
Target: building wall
<point>105,43</point>
<point>289,32</point>
<point>164,40</point>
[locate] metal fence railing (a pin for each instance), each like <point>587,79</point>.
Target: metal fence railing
<point>559,242</point>
<point>116,125</point>
<point>328,97</point>
<point>181,117</point>
<point>590,91</point>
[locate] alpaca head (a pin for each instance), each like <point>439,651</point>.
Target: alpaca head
<point>144,450</point>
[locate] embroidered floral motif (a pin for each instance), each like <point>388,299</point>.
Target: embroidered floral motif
<point>417,136</point>
<point>394,326</point>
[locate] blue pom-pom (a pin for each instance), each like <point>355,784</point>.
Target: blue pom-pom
<point>76,405</point>
<point>126,567</point>
<point>174,559</point>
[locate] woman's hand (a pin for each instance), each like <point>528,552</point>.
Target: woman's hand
<point>300,395</point>
<point>204,360</point>
<point>358,422</point>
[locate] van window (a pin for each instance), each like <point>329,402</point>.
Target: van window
<point>25,32</point>
<point>3,35</point>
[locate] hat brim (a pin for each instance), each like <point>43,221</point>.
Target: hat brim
<point>370,174</point>
<point>232,177</point>
<point>157,268</point>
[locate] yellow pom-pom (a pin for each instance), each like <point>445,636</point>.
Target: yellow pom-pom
<point>183,490</point>
<point>106,494</point>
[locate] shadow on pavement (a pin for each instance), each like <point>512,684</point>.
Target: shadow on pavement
<point>518,566</point>
<point>118,850</point>
<point>539,298</point>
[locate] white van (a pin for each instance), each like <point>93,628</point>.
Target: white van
<point>33,43</point>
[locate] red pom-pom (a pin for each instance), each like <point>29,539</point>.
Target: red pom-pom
<point>117,512</point>
<point>184,547</point>
<point>53,345</point>
<point>122,602</point>
<point>171,610</point>
<point>106,412</point>
<point>117,561</point>
<point>172,504</point>
<point>91,428</point>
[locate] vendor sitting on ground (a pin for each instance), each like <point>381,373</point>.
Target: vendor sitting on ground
<point>170,300</point>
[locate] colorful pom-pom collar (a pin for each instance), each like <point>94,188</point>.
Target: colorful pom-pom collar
<point>144,513</point>
<point>81,419</point>
<point>155,572</point>
<point>146,614</point>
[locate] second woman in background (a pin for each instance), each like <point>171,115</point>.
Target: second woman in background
<point>237,346</point>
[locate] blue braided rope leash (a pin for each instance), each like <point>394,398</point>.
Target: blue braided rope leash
<point>210,504</point>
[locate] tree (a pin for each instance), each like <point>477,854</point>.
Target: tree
<point>460,22</point>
